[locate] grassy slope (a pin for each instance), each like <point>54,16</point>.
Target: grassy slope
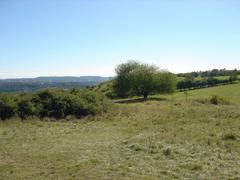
<point>171,138</point>
<point>229,92</point>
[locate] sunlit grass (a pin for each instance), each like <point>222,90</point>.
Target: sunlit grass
<point>229,92</point>
<point>172,138</point>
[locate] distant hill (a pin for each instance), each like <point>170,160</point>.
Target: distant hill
<point>32,84</point>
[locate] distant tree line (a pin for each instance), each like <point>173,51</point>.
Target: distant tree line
<point>211,73</point>
<point>52,103</point>
<point>190,82</point>
<point>34,86</point>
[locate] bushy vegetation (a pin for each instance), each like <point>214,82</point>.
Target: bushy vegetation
<point>190,82</point>
<point>106,89</point>
<point>202,79</point>
<point>7,107</point>
<point>134,78</point>
<point>218,100</point>
<point>25,107</point>
<point>119,87</point>
<point>52,103</point>
<point>155,139</point>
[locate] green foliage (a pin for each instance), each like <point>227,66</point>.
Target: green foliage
<point>49,104</point>
<point>87,102</point>
<point>189,82</point>
<point>124,81</point>
<point>110,94</point>
<point>165,82</point>
<point>7,107</point>
<point>234,76</point>
<point>211,73</point>
<point>135,78</point>
<point>106,89</point>
<point>54,103</point>
<point>59,104</point>
<point>25,107</point>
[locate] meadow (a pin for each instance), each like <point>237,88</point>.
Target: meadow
<point>177,136</point>
<point>230,92</point>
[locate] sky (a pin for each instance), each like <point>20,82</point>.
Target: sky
<point>91,37</point>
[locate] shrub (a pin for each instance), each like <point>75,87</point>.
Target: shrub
<point>53,103</point>
<point>50,103</point>
<point>25,108</point>
<point>110,94</point>
<point>218,100</point>
<point>88,103</point>
<point>7,108</point>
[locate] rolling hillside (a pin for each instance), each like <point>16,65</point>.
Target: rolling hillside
<point>106,88</point>
<point>32,84</point>
<point>167,137</point>
<point>229,92</point>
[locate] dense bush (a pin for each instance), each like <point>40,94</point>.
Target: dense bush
<point>54,103</point>
<point>139,79</point>
<point>48,104</point>
<point>25,107</point>
<point>7,107</point>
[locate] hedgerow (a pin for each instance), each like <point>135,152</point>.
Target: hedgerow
<point>52,103</point>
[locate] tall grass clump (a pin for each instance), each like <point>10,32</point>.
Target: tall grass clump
<point>216,100</point>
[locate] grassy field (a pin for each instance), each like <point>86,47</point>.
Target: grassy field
<point>168,137</point>
<point>229,92</point>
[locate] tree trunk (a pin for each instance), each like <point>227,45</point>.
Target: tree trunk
<point>145,96</point>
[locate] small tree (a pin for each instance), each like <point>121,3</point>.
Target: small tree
<point>234,76</point>
<point>123,84</point>
<point>135,78</point>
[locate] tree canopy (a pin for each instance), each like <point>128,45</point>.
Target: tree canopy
<point>134,78</point>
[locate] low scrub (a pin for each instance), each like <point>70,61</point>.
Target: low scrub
<point>230,136</point>
<point>7,107</point>
<point>52,103</point>
<point>218,100</point>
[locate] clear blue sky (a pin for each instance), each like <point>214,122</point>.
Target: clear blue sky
<point>90,37</point>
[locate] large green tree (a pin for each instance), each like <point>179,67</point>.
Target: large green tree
<point>134,78</point>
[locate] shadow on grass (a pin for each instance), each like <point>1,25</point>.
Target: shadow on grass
<point>137,100</point>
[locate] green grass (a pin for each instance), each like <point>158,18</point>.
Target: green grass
<point>176,138</point>
<point>222,77</point>
<point>229,92</point>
